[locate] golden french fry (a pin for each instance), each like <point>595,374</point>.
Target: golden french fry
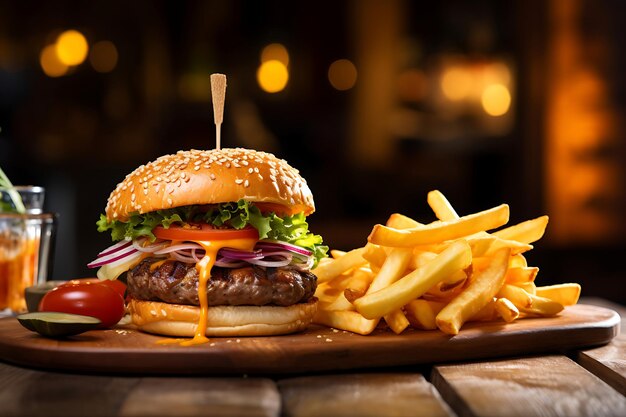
<point>420,258</point>
<point>564,294</point>
<point>379,303</point>
<point>336,253</point>
<point>516,295</point>
<point>352,294</point>
<point>358,282</point>
<point>397,321</point>
<point>345,320</point>
<point>340,282</point>
<point>441,206</point>
<point>422,313</point>
<point>440,231</point>
<point>484,244</point>
<point>529,287</point>
<point>476,296</point>
<point>520,275</point>
<point>518,261</point>
<point>506,309</point>
<point>326,294</point>
<point>526,232</point>
<point>375,255</point>
<point>393,268</point>
<point>542,307</point>
<point>487,313</point>
<point>449,287</point>
<point>336,267</point>
<point>400,221</point>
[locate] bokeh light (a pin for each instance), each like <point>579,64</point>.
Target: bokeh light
<point>50,63</point>
<point>275,52</point>
<point>496,100</point>
<point>72,47</point>
<point>456,83</point>
<point>272,76</point>
<point>103,56</point>
<point>342,74</point>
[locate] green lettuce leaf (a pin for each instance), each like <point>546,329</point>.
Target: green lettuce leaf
<point>291,229</point>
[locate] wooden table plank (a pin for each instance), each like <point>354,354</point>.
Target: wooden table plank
<point>538,386</point>
<point>26,393</point>
<point>608,362</point>
<point>227,397</point>
<point>361,395</point>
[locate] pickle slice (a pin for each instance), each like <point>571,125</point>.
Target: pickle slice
<point>53,324</point>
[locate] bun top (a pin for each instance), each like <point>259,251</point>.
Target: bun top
<point>209,177</point>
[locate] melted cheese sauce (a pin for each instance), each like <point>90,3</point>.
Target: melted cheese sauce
<point>204,274</point>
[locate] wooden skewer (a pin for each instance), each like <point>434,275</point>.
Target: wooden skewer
<point>218,91</point>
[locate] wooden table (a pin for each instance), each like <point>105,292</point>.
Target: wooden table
<point>579,383</point>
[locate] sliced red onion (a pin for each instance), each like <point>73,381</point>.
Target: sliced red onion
<point>240,254</point>
<point>139,245</point>
<point>284,245</point>
<point>187,259</point>
<point>112,257</point>
<point>227,263</point>
<point>174,248</point>
<point>286,260</point>
<point>117,247</point>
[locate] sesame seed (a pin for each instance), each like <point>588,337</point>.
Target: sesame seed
<point>246,183</point>
<point>132,197</point>
<point>250,170</point>
<point>212,176</point>
<point>169,201</point>
<point>238,181</point>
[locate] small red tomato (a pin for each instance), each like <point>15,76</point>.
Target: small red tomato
<point>99,301</point>
<point>117,285</point>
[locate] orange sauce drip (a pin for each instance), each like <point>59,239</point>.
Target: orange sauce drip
<point>204,274</point>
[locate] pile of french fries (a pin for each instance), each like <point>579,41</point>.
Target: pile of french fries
<point>438,275</point>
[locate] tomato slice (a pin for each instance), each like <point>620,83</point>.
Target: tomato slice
<point>203,232</point>
<point>116,285</point>
<point>87,299</point>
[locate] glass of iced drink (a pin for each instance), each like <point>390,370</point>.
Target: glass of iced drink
<point>26,243</point>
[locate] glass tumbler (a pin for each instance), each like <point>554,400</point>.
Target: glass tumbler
<point>26,244</point>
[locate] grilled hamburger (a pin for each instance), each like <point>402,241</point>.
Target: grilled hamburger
<point>214,243</point>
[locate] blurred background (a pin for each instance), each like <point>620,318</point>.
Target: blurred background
<point>376,102</point>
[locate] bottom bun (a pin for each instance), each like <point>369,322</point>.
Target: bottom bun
<point>182,320</point>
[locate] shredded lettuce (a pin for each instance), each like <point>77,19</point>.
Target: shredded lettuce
<point>292,229</point>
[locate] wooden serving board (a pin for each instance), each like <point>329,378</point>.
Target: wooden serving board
<point>317,349</point>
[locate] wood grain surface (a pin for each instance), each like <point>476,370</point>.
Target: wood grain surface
<point>317,349</point>
<point>32,393</point>
<point>361,395</point>
<point>608,362</point>
<point>526,387</point>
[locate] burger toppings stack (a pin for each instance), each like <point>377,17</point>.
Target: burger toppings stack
<point>213,243</point>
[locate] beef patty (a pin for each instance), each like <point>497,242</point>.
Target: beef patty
<point>177,283</point>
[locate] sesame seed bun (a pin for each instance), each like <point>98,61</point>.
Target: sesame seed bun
<point>210,177</point>
<point>181,320</point>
